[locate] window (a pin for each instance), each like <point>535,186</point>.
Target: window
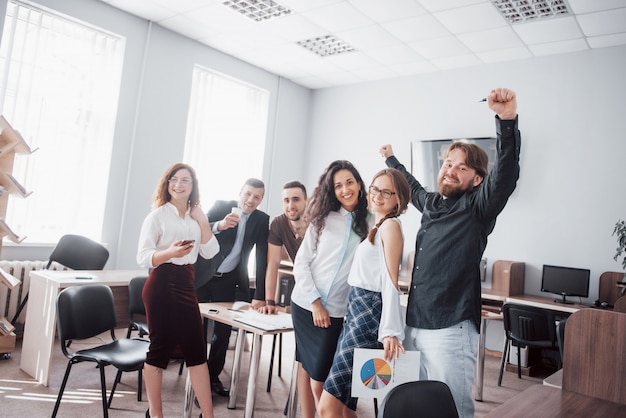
<point>226,130</point>
<point>59,87</point>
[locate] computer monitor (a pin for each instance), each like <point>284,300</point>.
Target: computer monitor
<point>565,281</point>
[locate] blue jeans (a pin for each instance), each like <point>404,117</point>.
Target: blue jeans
<point>448,355</point>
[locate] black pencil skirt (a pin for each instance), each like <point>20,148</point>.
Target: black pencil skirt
<point>315,346</point>
<point>173,316</point>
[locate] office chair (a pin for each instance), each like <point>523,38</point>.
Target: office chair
<point>88,311</point>
<point>560,335</point>
<point>620,305</point>
<point>423,398</point>
<point>137,315</point>
<point>74,252</point>
<point>527,326</point>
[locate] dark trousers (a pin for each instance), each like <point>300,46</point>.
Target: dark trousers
<point>220,289</point>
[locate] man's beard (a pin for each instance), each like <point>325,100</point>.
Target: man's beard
<point>450,191</point>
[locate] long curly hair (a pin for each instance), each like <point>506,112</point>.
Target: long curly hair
<point>162,194</point>
<point>323,200</point>
<point>403,194</point>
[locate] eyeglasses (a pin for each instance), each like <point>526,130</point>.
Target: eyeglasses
<point>374,191</point>
<point>174,181</point>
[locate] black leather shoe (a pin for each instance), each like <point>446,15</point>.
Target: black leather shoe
<point>219,389</point>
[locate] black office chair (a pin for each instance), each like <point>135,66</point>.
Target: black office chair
<point>88,311</point>
<point>560,335</point>
<point>423,398</point>
<point>527,326</point>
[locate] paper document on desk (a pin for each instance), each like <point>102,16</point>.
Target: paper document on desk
<point>373,376</point>
<point>274,322</point>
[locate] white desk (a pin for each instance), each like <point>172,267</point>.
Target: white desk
<point>41,314</point>
<point>227,316</point>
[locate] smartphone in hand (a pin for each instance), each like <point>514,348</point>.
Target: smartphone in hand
<point>187,242</point>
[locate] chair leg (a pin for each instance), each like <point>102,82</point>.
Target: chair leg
<point>505,351</point>
<point>280,354</point>
<point>118,377</point>
<point>180,369</point>
<point>105,406</point>
<point>519,363</point>
<point>139,384</point>
<point>62,389</point>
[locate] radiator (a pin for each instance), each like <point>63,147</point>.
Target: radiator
<point>10,299</point>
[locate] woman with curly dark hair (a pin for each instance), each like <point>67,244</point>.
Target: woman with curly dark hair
<point>338,223</point>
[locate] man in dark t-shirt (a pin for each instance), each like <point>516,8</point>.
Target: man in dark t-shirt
<point>286,231</point>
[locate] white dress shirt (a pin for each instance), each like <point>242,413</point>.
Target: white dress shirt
<point>163,226</point>
<point>322,271</point>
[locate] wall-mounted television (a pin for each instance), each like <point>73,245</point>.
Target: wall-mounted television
<point>565,281</point>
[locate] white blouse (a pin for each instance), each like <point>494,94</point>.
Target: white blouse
<point>369,271</point>
<point>163,226</point>
<point>322,271</point>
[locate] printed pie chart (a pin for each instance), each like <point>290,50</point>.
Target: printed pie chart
<point>376,373</point>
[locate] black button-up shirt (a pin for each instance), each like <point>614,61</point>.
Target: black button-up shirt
<point>445,285</point>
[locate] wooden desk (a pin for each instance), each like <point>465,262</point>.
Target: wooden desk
<point>546,303</point>
<point>41,315</point>
<point>546,401</point>
<point>227,316</point>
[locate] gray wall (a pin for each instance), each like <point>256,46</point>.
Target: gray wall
<point>571,188</point>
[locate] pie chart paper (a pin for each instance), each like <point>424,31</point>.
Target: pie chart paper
<point>373,376</point>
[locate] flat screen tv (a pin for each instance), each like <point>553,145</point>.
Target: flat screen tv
<point>565,281</point>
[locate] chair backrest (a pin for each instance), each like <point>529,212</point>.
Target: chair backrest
<point>79,253</point>
<point>560,335</point>
<point>428,398</point>
<point>135,301</point>
<point>607,290</point>
<point>84,312</point>
<point>620,305</point>
<point>595,346</point>
<point>529,325</point>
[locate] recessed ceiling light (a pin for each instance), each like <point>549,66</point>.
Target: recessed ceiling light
<point>258,10</point>
<point>523,10</point>
<point>326,45</point>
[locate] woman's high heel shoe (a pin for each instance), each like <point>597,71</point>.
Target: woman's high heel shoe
<point>148,413</point>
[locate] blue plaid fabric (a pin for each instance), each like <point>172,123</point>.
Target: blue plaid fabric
<point>360,330</point>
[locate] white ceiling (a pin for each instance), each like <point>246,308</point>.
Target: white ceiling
<point>391,38</point>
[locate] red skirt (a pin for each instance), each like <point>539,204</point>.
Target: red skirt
<point>173,316</point>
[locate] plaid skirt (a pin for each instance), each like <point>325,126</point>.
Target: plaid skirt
<point>360,330</point>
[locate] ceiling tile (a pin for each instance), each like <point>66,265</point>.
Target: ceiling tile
<point>587,6</point>
<point>338,17</point>
<point>295,28</point>
<point>440,47</point>
<point>396,54</point>
<point>509,54</point>
<point>607,40</point>
<point>387,10</point>
<point>373,36</point>
<point>550,30</point>
<point>353,60</point>
<point>416,67</point>
<point>418,28</point>
<point>458,61</point>
<point>438,5</point>
<point>491,39</point>
<point>603,23</point>
<point>559,47</point>
<point>370,74</point>
<point>471,18</point>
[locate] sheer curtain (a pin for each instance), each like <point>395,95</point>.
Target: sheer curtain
<point>226,131</point>
<point>59,87</point>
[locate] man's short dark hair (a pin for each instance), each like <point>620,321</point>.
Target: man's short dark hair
<point>293,185</point>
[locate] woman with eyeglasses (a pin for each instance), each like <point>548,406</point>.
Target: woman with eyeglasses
<point>374,319</point>
<point>338,223</point>
<point>171,237</point>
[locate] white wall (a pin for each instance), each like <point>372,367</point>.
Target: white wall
<point>152,117</point>
<point>571,187</point>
